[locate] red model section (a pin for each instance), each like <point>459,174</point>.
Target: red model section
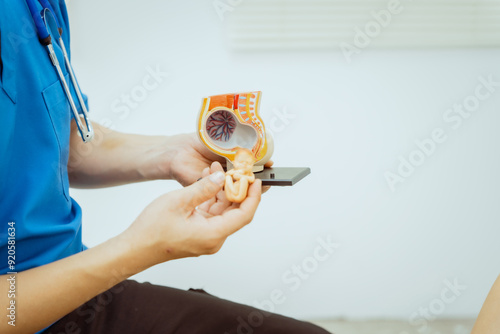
<point>226,100</point>
<point>235,104</point>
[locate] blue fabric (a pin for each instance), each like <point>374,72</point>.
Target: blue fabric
<point>34,144</point>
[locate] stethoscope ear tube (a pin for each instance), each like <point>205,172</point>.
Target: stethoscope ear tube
<point>46,5</point>
<point>42,32</point>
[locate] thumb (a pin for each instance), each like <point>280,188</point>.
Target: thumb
<point>203,190</point>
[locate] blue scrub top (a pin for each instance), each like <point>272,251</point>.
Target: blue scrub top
<point>34,145</point>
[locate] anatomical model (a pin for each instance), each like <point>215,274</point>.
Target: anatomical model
<point>240,177</point>
<point>229,122</point>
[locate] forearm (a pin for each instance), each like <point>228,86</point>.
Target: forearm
<point>115,158</point>
<point>47,293</point>
<point>489,317</point>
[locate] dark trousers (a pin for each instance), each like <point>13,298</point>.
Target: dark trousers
<point>132,307</point>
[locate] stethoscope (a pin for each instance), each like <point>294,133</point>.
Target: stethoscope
<point>45,21</point>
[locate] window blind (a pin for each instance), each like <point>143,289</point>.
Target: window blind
<point>332,24</point>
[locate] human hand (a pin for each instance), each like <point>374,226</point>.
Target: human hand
<point>219,203</point>
<point>188,157</point>
<point>192,221</point>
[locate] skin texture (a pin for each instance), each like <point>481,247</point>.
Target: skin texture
<point>240,177</point>
<point>188,222</point>
<point>488,321</point>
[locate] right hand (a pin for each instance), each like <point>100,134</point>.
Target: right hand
<point>192,221</point>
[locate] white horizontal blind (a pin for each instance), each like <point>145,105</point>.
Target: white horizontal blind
<point>328,24</point>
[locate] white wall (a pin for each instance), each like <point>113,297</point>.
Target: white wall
<point>351,123</point>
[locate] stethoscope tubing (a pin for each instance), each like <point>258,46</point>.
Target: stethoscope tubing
<point>86,132</point>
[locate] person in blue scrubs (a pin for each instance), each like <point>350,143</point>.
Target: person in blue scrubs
<point>52,283</point>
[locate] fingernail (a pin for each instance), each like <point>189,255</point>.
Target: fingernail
<point>217,177</point>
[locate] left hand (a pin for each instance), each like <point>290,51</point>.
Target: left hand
<point>189,157</point>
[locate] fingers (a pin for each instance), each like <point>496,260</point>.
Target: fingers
<point>216,205</point>
<point>215,167</point>
<point>269,164</point>
<point>252,201</point>
<point>205,172</point>
<point>206,206</point>
<point>220,202</point>
<point>201,191</point>
<point>220,205</point>
<point>233,220</point>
